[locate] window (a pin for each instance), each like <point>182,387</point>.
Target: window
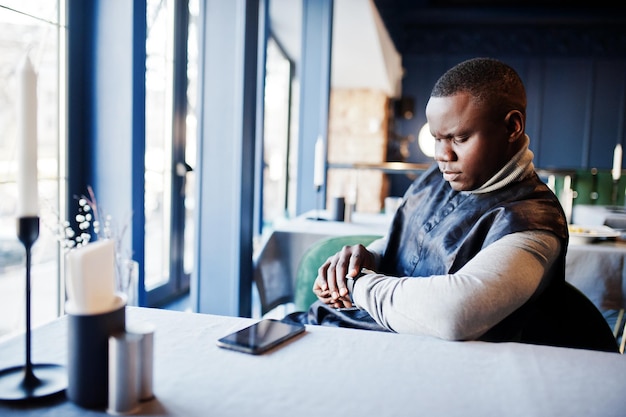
<point>35,27</point>
<point>278,79</point>
<point>171,51</point>
<point>39,27</point>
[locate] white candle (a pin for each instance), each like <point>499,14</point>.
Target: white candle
<point>616,172</point>
<point>318,168</point>
<point>567,183</point>
<point>91,277</point>
<point>27,202</point>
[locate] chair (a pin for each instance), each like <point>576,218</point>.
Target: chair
<point>313,258</point>
<point>573,322</point>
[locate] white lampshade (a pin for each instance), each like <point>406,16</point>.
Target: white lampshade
<point>426,141</point>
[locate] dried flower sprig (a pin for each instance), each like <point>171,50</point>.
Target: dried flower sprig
<point>90,222</point>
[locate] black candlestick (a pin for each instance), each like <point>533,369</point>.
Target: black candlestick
<point>20,382</point>
<point>318,202</point>
<point>614,192</point>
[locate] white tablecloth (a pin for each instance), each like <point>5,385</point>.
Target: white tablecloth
<point>334,371</point>
<point>276,262</point>
<point>599,271</point>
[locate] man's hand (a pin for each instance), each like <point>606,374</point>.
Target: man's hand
<point>330,284</point>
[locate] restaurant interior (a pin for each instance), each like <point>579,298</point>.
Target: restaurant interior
<point>212,132</point>
<point>216,142</point>
<point>196,125</point>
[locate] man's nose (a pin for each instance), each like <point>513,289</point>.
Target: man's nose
<point>443,151</point>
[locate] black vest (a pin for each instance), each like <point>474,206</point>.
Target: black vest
<point>438,230</point>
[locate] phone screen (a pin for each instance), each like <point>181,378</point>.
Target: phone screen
<point>260,336</point>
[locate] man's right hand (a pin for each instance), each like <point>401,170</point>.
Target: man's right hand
<point>330,284</point>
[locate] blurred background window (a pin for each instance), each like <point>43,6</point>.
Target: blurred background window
<point>171,74</point>
<point>36,28</point>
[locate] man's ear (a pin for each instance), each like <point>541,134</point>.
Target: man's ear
<point>514,121</point>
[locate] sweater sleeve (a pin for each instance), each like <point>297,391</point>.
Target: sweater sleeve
<point>377,249</point>
<point>464,305</point>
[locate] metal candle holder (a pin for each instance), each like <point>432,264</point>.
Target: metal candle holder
<point>20,382</point>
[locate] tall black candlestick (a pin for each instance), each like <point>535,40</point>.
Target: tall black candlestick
<point>19,383</point>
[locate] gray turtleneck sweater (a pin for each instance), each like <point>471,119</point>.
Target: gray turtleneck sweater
<point>464,305</point>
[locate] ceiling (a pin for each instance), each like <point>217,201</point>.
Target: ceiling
<point>408,20</point>
<point>370,36</point>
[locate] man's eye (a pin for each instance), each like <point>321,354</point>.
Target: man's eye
<point>460,139</point>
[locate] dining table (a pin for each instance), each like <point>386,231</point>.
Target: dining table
<point>598,269</point>
<point>328,370</point>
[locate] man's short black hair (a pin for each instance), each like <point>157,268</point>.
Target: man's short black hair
<point>488,80</point>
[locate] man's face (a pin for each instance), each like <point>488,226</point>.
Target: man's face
<point>471,145</point>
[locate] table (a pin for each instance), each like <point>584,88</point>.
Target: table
<point>334,370</point>
<point>599,271</point>
<point>276,262</point>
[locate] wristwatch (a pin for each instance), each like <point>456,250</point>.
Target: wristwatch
<point>350,281</point>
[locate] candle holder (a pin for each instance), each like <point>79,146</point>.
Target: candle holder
<point>318,202</point>
<point>614,192</point>
<point>20,382</point>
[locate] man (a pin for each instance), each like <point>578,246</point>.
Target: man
<point>477,249</point>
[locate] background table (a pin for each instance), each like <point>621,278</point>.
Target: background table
<point>356,372</point>
<point>599,271</point>
<point>276,262</point>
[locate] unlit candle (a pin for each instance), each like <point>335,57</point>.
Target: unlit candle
<point>27,202</point>
<point>318,168</point>
<point>91,277</point>
<point>616,172</point>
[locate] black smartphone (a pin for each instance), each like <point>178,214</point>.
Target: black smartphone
<point>261,336</point>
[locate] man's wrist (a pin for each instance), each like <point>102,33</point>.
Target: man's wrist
<point>350,281</point>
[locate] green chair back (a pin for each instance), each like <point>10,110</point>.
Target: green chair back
<point>314,257</point>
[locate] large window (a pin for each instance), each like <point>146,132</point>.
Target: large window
<point>278,80</point>
<point>37,28</point>
<point>171,51</point>
<point>34,28</point>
